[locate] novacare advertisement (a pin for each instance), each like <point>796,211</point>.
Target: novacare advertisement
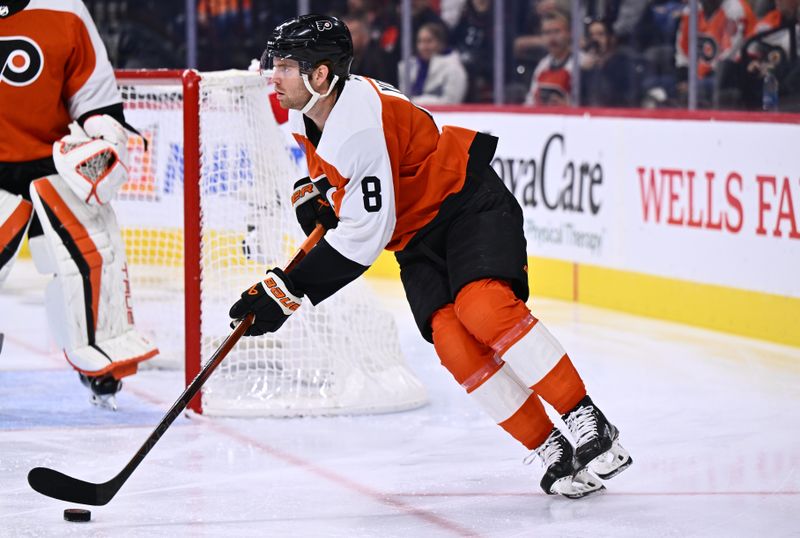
<point>715,202</point>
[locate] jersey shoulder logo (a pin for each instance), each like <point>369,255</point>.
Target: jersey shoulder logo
<point>21,60</point>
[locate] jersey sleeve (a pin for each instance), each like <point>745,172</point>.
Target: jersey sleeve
<point>89,82</point>
<point>365,205</point>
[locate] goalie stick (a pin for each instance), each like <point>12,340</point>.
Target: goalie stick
<point>66,488</point>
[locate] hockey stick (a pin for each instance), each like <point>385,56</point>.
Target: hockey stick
<point>66,488</point>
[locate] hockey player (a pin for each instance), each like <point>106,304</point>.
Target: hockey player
<point>385,177</point>
<point>63,157</point>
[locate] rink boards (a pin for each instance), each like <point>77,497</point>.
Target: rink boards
<point>675,216</point>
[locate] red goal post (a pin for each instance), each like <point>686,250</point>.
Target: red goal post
<point>189,80</point>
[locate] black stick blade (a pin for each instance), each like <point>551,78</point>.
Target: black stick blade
<point>60,486</point>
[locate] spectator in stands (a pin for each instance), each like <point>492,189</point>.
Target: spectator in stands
<point>422,13</point>
<point>368,57</point>
<point>774,45</point>
<point>786,13</point>
<point>531,45</point>
<point>552,80</point>
<point>722,26</point>
<point>627,21</point>
<point>605,71</point>
<point>473,38</point>
<point>367,10</point>
<point>437,75</point>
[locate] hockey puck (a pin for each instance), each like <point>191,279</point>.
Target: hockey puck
<point>77,514</point>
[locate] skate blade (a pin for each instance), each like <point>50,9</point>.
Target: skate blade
<point>612,462</point>
<point>580,485</point>
<point>108,401</point>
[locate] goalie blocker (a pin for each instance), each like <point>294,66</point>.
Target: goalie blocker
<point>89,300</point>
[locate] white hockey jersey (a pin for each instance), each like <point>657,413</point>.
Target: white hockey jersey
<point>389,166</point>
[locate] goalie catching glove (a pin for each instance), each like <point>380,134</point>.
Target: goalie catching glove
<point>272,301</point>
<point>93,159</point>
<point>311,206</point>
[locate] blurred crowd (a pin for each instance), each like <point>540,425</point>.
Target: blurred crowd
<point>632,53</point>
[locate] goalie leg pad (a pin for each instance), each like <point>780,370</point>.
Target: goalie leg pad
<point>88,302</point>
<point>15,217</point>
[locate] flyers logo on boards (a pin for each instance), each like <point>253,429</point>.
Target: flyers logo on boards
<point>324,25</point>
<point>21,60</point>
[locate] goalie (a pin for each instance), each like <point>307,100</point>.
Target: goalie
<point>63,157</point>
<point>385,177</point>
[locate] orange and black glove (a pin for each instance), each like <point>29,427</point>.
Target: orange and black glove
<point>311,206</point>
<point>272,300</point>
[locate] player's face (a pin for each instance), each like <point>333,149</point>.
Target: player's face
<point>289,87</point>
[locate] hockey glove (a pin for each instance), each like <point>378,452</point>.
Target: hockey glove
<point>310,207</point>
<point>272,301</point>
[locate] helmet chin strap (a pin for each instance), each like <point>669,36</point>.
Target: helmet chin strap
<point>315,95</point>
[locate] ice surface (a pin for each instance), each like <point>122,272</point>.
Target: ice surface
<point>710,419</point>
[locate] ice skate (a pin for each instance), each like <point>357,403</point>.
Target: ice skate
<point>104,390</point>
<point>560,477</point>
<point>597,441</point>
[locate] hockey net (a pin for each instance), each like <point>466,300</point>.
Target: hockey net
<point>205,212</point>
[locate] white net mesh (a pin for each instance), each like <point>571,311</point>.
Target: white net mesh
<point>342,356</point>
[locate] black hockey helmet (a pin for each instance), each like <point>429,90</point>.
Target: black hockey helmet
<point>310,40</point>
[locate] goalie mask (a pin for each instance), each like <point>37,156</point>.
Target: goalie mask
<point>93,167</point>
<point>311,40</point>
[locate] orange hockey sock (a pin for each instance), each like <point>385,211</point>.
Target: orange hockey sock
<point>497,318</point>
<point>489,381</point>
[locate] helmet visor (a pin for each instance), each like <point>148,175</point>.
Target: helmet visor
<point>270,55</point>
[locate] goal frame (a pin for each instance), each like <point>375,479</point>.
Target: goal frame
<point>189,80</point>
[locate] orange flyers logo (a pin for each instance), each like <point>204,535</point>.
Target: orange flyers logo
<point>21,61</point>
<point>253,290</point>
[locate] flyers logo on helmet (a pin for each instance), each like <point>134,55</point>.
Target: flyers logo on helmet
<point>21,60</point>
<point>324,25</point>
<point>3,11</point>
